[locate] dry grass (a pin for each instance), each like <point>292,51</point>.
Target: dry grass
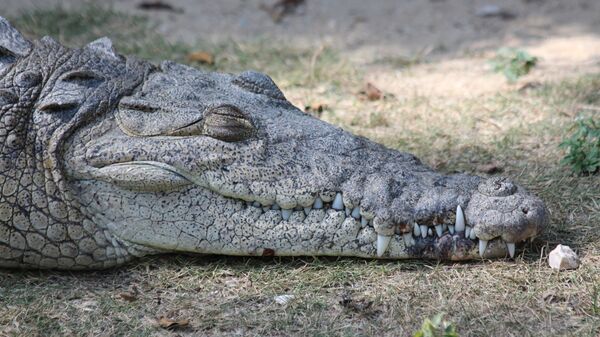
<point>347,297</point>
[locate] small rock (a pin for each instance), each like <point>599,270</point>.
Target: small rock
<point>283,299</point>
<point>563,257</point>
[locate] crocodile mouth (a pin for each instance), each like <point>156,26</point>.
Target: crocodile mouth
<point>451,239</point>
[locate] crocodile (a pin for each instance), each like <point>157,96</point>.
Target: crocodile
<point>106,158</point>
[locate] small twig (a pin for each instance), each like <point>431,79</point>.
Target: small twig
<point>489,122</point>
<point>313,62</point>
<point>588,107</point>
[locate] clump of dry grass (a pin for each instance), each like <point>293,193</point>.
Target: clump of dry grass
<point>343,297</point>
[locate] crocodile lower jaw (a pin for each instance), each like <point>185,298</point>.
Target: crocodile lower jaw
<point>454,241</point>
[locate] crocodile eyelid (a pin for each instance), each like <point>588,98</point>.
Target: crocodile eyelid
<point>81,76</point>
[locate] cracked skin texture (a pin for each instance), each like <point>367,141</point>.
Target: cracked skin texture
<point>106,158</point>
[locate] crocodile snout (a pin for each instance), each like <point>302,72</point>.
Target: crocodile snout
<point>501,209</point>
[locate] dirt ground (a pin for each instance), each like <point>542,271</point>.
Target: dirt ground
<point>443,103</point>
<point>565,35</point>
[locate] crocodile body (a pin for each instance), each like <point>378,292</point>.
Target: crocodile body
<point>106,158</point>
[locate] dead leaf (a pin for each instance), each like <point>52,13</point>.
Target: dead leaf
<point>281,8</point>
<point>201,57</point>
<point>171,324</point>
<point>529,85</point>
<point>127,296</point>
<point>490,168</point>
<point>371,92</point>
<point>360,306</point>
<point>551,297</point>
<point>158,6</point>
<point>315,109</point>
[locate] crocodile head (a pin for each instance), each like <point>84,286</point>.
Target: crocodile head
<point>191,161</point>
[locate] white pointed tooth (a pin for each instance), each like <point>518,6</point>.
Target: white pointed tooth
<point>408,239</point>
<point>275,207</point>
<point>286,213</point>
<point>451,229</point>
<point>472,235</point>
<point>459,226</point>
<point>429,232</point>
<point>439,230</point>
<point>482,247</point>
<point>423,231</point>
<point>266,208</point>
<point>337,202</point>
<point>256,204</point>
<point>318,203</point>
<point>307,210</point>
<point>444,227</point>
<point>348,211</point>
<point>364,222</point>
<point>383,241</point>
<point>356,213</point>
<point>467,231</point>
<point>416,229</point>
<point>511,249</point>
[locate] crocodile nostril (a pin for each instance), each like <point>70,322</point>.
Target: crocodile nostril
<point>525,210</point>
<point>497,187</point>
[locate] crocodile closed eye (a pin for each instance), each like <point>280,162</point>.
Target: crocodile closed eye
<point>226,123</point>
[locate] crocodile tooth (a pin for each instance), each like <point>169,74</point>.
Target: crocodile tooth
<point>511,249</point>
<point>444,227</point>
<point>423,231</point>
<point>460,220</point>
<point>408,239</point>
<point>256,204</point>
<point>482,246</point>
<point>348,211</point>
<point>337,202</point>
<point>429,232</point>
<point>318,203</point>
<point>356,213</point>
<point>364,221</point>
<point>275,207</point>
<point>472,235</point>
<point>416,229</point>
<point>439,230</point>
<point>467,231</point>
<point>286,213</point>
<point>307,210</point>
<point>451,229</point>
<point>383,241</point>
<point>266,208</point>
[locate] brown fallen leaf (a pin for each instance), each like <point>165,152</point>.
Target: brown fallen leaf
<point>315,109</point>
<point>127,296</point>
<point>360,306</point>
<point>490,168</point>
<point>371,92</point>
<point>281,8</point>
<point>171,324</point>
<point>529,85</point>
<point>201,57</point>
<point>158,5</point>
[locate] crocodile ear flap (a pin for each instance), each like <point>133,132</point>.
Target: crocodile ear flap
<point>12,44</point>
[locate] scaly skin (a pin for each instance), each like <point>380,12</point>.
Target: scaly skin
<point>106,158</point>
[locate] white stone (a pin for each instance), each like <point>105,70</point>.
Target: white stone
<point>563,257</point>
<point>283,299</point>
